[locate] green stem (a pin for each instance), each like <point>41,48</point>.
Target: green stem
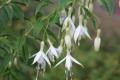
<point>45,31</point>
<point>26,34</point>
<point>73,3</point>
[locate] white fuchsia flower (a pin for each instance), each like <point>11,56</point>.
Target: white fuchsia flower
<point>68,61</point>
<point>52,52</point>
<point>97,41</point>
<point>41,58</point>
<point>81,31</point>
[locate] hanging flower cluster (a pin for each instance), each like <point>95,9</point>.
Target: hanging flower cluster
<point>73,35</point>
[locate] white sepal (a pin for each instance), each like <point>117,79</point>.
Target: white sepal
<point>52,52</point>
<point>46,59</point>
<point>38,55</point>
<point>74,60</point>
<point>77,33</point>
<point>60,62</point>
<point>65,23</point>
<point>68,63</point>
<point>85,30</point>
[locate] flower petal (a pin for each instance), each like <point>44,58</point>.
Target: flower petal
<point>48,51</point>
<point>60,62</point>
<point>33,55</point>
<point>51,57</point>
<point>74,60</point>
<point>72,25</point>
<point>38,55</point>
<point>54,52</point>
<point>68,63</point>
<point>46,59</point>
<point>43,65</point>
<point>65,23</point>
<point>40,60</point>
<point>86,32</point>
<point>59,49</point>
<point>76,34</point>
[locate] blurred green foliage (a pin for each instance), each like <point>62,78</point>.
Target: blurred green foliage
<point>22,24</point>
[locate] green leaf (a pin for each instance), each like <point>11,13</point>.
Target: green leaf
<point>42,4</point>
<point>48,1</point>
<point>9,12</point>
<point>92,17</point>
<point>39,6</point>
<point>4,16</point>
<point>19,75</point>
<point>22,2</point>
<point>108,4</point>
<point>38,26</point>
<point>54,17</point>
<point>20,43</point>
<point>17,12</point>
<point>63,3</point>
<point>52,35</point>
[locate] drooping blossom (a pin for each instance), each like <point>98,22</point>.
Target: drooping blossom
<point>68,64</point>
<point>60,47</point>
<point>41,58</point>
<point>52,52</point>
<point>81,31</point>
<point>97,41</point>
